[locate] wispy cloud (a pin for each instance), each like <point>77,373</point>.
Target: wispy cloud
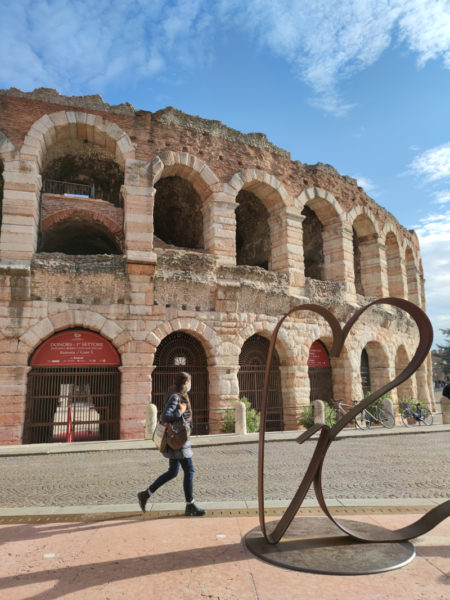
<point>369,186</point>
<point>433,164</point>
<point>434,236</point>
<point>79,46</point>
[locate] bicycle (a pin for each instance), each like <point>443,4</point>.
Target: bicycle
<point>364,419</point>
<point>411,418</point>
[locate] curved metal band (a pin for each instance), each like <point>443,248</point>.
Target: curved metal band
<point>314,471</point>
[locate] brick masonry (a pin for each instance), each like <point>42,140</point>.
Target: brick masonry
<point>156,288</point>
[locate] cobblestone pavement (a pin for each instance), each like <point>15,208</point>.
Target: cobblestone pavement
<point>410,466</point>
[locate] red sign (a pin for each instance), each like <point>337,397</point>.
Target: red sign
<point>318,356</point>
<point>73,348</point>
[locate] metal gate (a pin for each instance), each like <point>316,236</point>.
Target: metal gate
<point>252,365</point>
<point>365,373</point>
<point>319,373</point>
<point>76,404</point>
<point>182,352</point>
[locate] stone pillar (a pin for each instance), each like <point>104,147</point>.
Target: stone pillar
<point>340,238</point>
<point>20,210</point>
<point>374,283</point>
<point>295,391</point>
<point>219,227</point>
<point>319,411</point>
<point>286,235</point>
<point>13,383</point>
<point>138,197</point>
<point>223,390</point>
<point>135,395</point>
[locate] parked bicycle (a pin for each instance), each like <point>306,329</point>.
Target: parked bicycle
<point>411,418</point>
<point>374,415</point>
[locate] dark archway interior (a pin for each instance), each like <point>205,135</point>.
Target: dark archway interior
<point>252,231</point>
<point>90,167</point>
<point>365,372</point>
<point>312,244</point>
<point>357,264</point>
<point>178,218</point>
<point>78,236</point>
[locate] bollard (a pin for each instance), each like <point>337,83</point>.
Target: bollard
<point>240,418</point>
<point>150,420</point>
<point>319,411</point>
<point>388,406</point>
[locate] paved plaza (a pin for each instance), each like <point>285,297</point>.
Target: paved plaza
<point>413,466</point>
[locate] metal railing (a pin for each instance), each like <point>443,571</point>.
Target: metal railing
<point>50,186</point>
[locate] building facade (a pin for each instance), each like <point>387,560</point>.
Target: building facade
<point>137,244</point>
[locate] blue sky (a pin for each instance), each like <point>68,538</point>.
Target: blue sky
<point>361,84</point>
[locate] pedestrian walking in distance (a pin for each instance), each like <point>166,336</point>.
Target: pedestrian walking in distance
<point>177,405</point>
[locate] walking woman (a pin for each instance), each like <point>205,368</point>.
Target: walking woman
<point>177,405</point>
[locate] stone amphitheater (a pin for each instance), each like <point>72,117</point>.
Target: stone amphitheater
<point>136,244</point>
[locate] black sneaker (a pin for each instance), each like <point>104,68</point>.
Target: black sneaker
<point>193,511</point>
<point>142,499</point>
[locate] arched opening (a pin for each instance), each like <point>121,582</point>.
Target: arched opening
<point>181,352</point>
<point>177,213</point>
<point>252,364</point>
<point>319,373</point>
<point>313,255</point>
<point>374,367</point>
<point>79,168</point>
<point>80,236</point>
<point>412,277</point>
<point>405,389</point>
<point>394,267</point>
<point>366,257</point>
<point>365,373</point>
<point>73,390</point>
<point>253,241</point>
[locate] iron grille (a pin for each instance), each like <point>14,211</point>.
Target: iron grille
<point>182,352</point>
<point>72,404</point>
<point>252,361</point>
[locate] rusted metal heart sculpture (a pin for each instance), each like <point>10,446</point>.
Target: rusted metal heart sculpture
<point>313,474</point>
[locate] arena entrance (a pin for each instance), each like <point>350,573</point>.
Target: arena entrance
<point>73,390</point>
<point>252,365</point>
<point>182,352</point>
<point>319,372</point>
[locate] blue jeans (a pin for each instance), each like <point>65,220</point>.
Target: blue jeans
<point>174,467</point>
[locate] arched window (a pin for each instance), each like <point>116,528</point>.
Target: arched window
<point>366,257</point>
<point>253,245</point>
<point>177,214</point>
<point>319,373</point>
<point>181,352</point>
<point>312,244</point>
<point>394,267</point>
<point>252,364</point>
<point>78,168</point>
<point>73,390</point>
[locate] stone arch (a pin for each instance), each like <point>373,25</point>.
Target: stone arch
<point>322,216</point>
<point>80,232</point>
<point>62,125</point>
<point>283,345</point>
<point>260,212</point>
<point>69,319</point>
<point>203,333</point>
<point>379,364</point>
<point>394,268</point>
<point>366,252</point>
<point>185,166</point>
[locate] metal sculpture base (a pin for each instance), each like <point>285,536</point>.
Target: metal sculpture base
<point>316,545</point>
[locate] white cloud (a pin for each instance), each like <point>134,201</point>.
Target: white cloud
<point>369,186</point>
<point>442,197</point>
<point>75,45</point>
<point>434,236</point>
<point>433,164</point>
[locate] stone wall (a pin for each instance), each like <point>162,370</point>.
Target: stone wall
<point>159,286</point>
